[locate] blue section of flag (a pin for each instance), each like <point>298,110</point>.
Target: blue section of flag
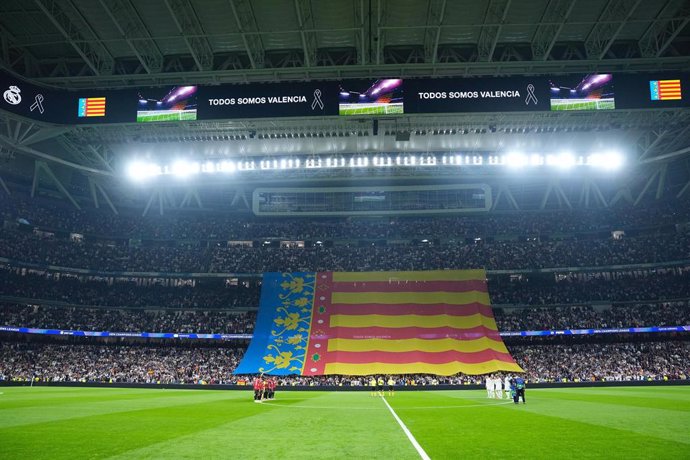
<point>81,107</point>
<point>654,90</point>
<point>281,333</point>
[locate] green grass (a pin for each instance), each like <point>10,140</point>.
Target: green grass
<point>629,422</point>
<point>371,109</point>
<point>153,116</point>
<point>582,104</point>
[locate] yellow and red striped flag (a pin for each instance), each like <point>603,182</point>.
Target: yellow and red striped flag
<point>662,90</point>
<point>91,107</point>
<point>430,322</point>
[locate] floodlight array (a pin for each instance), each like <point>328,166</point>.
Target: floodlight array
<point>142,170</point>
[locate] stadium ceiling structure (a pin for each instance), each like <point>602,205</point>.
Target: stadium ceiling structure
<point>111,44</point>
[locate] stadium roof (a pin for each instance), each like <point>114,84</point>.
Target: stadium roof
<point>131,44</point>
<point>112,43</point>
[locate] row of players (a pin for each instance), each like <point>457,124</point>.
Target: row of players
<point>264,388</point>
<point>508,388</point>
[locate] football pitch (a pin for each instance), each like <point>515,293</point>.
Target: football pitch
<point>582,104</point>
<point>621,422</point>
<point>371,109</point>
<point>165,115</point>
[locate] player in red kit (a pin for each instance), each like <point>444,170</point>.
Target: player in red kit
<point>272,388</point>
<point>264,389</point>
<point>258,388</point>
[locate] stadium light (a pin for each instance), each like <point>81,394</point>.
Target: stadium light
<point>427,160</point>
<point>564,160</point>
<point>608,160</point>
<point>313,162</point>
<point>183,168</point>
<point>515,160</point>
<point>247,165</point>
<point>226,166</point>
<point>139,170</point>
<point>209,167</point>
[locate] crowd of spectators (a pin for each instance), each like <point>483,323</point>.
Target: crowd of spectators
<point>219,293</point>
<point>234,322</point>
<point>491,255</point>
<point>102,363</point>
<point>199,365</point>
<point>515,254</point>
<point>59,215</point>
<point>632,288</point>
<point>588,317</point>
<point>615,361</point>
<point>120,320</point>
<point>103,256</point>
<point>212,307</point>
<point>216,294</point>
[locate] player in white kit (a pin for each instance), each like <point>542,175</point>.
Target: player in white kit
<point>497,388</point>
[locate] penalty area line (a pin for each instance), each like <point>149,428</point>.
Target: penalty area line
<point>407,432</point>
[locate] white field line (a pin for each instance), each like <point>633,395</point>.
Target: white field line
<point>414,442</point>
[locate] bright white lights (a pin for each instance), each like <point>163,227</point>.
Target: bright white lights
<point>515,160</point>
<point>141,171</point>
<point>226,166</point>
<point>564,160</point>
<point>427,160</point>
<point>359,162</point>
<point>607,161</point>
<point>382,160</point>
<point>183,168</point>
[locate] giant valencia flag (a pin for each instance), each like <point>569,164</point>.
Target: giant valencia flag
<point>430,322</point>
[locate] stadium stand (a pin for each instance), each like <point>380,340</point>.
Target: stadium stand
<point>587,317</point>
<point>628,361</point>
<point>609,362</point>
<point>117,293</point>
<point>198,194</point>
<point>52,216</point>
<point>132,292</point>
<point>551,265</point>
<point>100,319</point>
<point>189,320</point>
<point>631,296</point>
<point>189,258</point>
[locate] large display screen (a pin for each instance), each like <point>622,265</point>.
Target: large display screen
<point>379,97</point>
<point>167,104</point>
<point>347,98</point>
<point>457,95</point>
<point>591,92</point>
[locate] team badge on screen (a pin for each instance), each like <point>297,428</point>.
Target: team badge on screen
<point>91,107</point>
<point>665,90</point>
